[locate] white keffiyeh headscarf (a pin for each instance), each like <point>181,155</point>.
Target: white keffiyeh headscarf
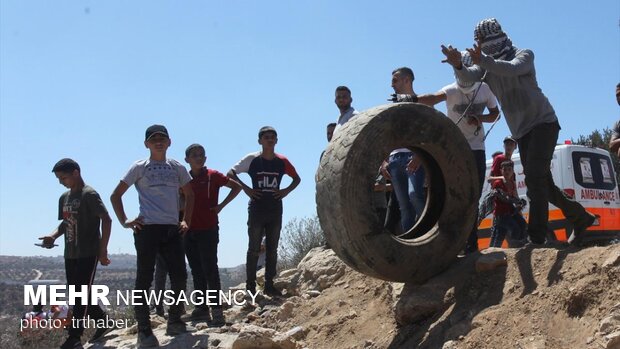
<point>494,42</point>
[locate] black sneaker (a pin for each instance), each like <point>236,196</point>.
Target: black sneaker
<point>218,318</point>
<point>250,287</point>
<point>72,343</point>
<point>159,310</point>
<point>177,327</point>
<point>579,227</point>
<point>100,333</point>
<point>200,314</point>
<point>272,291</point>
<point>146,339</point>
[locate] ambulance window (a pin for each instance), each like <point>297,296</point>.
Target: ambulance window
<point>593,171</point>
<point>606,171</point>
<point>586,170</point>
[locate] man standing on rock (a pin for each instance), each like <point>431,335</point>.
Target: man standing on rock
<point>511,75</point>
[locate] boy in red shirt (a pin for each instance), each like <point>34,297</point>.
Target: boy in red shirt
<point>203,235</point>
<point>507,207</point>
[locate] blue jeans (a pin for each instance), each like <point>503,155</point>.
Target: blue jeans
<point>408,188</point>
<point>509,223</point>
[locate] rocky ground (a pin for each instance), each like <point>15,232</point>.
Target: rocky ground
<point>547,298</point>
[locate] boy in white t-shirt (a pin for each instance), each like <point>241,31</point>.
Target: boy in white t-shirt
<point>465,104</point>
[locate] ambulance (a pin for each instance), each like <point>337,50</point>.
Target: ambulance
<point>585,174</point>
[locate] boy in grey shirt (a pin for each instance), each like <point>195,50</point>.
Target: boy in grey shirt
<point>157,228</point>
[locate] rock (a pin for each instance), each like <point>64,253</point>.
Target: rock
<point>313,293</point>
<point>491,261</point>
<point>287,273</point>
<point>537,342</point>
<point>417,303</point>
<point>254,337</point>
<point>297,333</point>
<point>351,315</point>
<point>318,270</point>
<point>613,340</point>
<point>449,345</point>
<point>286,311</point>
<point>612,260</point>
<point>260,277</point>
<point>610,324</point>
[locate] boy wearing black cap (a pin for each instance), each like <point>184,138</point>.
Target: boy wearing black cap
<point>266,169</point>
<point>203,236</point>
<point>157,228</point>
<point>82,212</point>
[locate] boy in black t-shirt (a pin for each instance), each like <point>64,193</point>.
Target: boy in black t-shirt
<point>82,212</point>
<point>266,169</point>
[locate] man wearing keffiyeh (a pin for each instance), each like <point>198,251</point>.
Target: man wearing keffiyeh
<point>510,73</point>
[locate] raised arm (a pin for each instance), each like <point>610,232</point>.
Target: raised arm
<point>432,99</point>
<point>522,64</point>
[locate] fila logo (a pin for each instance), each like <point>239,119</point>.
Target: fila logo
<point>266,183</point>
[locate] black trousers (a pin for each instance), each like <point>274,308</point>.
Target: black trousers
<point>201,252</point>
<point>81,271</point>
<point>268,223</point>
<point>165,240</point>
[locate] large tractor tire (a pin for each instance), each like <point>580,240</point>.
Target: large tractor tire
<point>346,177</point>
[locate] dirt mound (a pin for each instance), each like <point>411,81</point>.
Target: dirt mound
<point>547,298</point>
<point>530,298</point>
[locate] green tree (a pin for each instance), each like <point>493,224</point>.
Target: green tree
<point>299,236</point>
<point>601,140</point>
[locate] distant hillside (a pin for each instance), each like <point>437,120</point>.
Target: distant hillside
<point>15,271</point>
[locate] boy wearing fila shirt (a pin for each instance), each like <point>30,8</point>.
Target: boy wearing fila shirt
<point>266,169</point>
<point>203,236</point>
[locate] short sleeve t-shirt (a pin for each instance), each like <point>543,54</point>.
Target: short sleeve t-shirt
<point>266,176</point>
<point>80,213</point>
<point>158,183</point>
<point>206,187</point>
<point>457,102</point>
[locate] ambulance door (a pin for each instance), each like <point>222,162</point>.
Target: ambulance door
<point>597,191</point>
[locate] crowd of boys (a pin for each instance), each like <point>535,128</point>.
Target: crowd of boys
<point>178,218</point>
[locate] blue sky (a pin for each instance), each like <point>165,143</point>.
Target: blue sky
<point>83,79</point>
